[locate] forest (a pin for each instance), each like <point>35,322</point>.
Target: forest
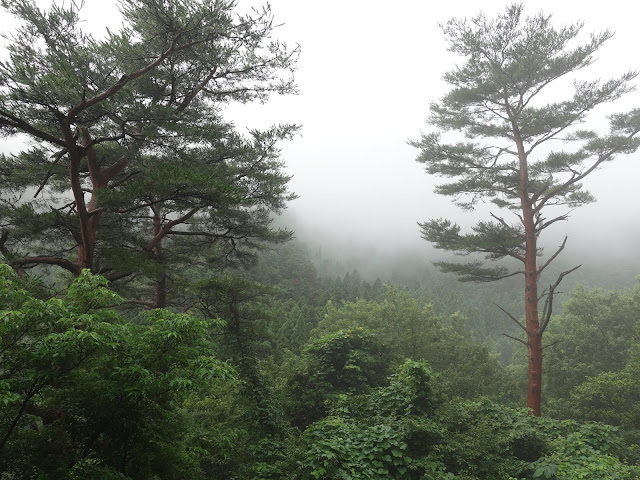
<point>159,320</point>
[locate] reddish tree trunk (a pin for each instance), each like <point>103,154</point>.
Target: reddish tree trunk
<point>532,324</point>
<point>532,321</point>
<point>88,215</point>
<point>534,391</point>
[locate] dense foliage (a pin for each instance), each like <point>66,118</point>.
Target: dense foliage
<point>90,390</point>
<point>88,394</point>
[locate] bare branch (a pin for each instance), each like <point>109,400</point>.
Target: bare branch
<point>551,344</point>
<point>511,317</point>
<point>559,218</point>
<point>517,340</point>
<point>552,258</point>
<point>548,304</point>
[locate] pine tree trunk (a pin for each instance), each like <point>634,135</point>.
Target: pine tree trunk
<point>161,276</point>
<point>534,391</point>
<point>534,339</point>
<point>86,244</point>
<point>532,322</point>
<point>161,290</point>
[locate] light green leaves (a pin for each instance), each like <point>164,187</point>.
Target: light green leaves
<point>74,368</point>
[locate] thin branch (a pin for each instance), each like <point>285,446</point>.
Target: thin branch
<point>486,278</point>
<point>56,159</point>
<point>114,138</point>
<point>116,87</point>
<point>559,218</point>
<point>548,304</point>
<point>553,257</point>
<point>500,220</point>
<point>553,134</point>
<point>544,188</point>
<point>200,233</point>
<point>511,317</point>
<point>29,394</point>
<point>124,179</point>
<point>602,158</point>
<point>517,340</point>
<point>542,295</point>
<point>551,344</point>
<point>197,89</point>
<point>167,228</point>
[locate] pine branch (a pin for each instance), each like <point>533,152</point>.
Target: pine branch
<point>517,339</point>
<point>49,260</point>
<point>548,304</point>
<point>167,228</point>
<point>578,177</point>
<point>553,257</point>
<point>20,124</point>
<point>511,317</point>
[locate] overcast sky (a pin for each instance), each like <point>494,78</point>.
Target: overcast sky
<point>367,73</point>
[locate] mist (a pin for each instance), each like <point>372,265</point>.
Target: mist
<point>365,88</point>
<point>366,76</point>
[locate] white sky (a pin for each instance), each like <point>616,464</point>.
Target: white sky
<point>367,73</point>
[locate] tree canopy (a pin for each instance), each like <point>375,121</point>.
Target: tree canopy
<point>131,164</point>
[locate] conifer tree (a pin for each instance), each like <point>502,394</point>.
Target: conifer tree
<point>523,155</point>
<point>132,168</point>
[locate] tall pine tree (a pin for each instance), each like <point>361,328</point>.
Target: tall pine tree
<point>496,101</point>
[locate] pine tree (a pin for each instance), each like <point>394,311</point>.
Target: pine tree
<point>506,157</point>
<point>132,168</point>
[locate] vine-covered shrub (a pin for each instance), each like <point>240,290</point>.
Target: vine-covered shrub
<point>364,436</point>
<point>343,362</point>
<point>344,448</point>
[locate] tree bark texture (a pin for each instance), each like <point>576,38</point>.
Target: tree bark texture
<point>532,321</point>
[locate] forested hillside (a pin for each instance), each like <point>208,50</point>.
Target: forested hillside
<point>280,373</point>
<point>158,323</point>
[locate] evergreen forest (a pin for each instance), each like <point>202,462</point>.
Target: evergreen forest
<point>160,321</point>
